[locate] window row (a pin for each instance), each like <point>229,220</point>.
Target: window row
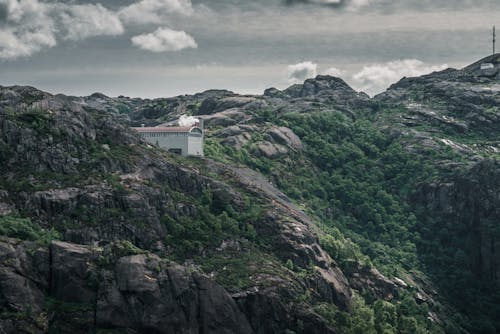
<point>164,134</point>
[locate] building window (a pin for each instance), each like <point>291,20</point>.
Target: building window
<point>175,151</point>
<point>197,131</point>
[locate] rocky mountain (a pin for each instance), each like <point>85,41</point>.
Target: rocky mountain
<point>317,210</point>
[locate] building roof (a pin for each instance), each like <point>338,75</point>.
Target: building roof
<point>166,129</point>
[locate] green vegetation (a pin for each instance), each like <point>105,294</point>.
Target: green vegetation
<point>37,119</point>
<point>354,179</point>
<point>238,272</point>
<point>357,181</point>
<point>117,250</point>
<point>25,229</point>
<point>54,305</point>
<point>212,221</point>
<point>123,108</point>
<point>382,317</point>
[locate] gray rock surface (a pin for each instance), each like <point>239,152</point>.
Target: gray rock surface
<point>139,292</point>
<point>154,295</point>
<point>284,136</point>
<point>224,118</point>
<point>270,150</point>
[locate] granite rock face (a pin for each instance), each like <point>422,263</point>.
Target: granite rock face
<point>447,104</point>
<point>138,292</point>
<point>284,136</point>
<point>153,295</point>
<point>468,205</point>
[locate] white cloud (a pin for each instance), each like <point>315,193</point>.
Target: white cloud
<point>327,2</point>
<point>348,4</point>
<point>334,72</point>
<point>27,28</point>
<point>83,21</point>
<point>355,4</point>
<point>154,11</point>
<point>301,71</point>
<point>31,25</point>
<point>14,44</point>
<point>375,78</point>
<point>163,40</point>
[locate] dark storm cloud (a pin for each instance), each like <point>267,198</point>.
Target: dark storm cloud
<point>293,2</point>
<point>4,13</point>
<point>390,6</point>
<point>382,5</point>
<point>331,3</point>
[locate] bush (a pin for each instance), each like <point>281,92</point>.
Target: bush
<point>25,229</point>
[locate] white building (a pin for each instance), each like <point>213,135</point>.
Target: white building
<point>180,140</point>
<point>487,66</point>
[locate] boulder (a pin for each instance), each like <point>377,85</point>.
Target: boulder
<point>237,142</point>
<point>72,275</point>
<point>153,295</point>
<point>24,277</point>
<point>236,136</point>
<point>213,105</point>
<point>369,279</point>
<point>225,118</point>
<point>270,150</point>
<point>284,136</point>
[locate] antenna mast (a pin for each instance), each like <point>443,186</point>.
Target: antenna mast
<point>494,39</point>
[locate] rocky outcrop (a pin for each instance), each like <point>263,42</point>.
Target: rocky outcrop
<point>212,106</point>
<point>270,150</point>
<point>224,118</point>
<point>24,280</point>
<point>284,136</point>
<point>323,88</point>
<point>73,273</point>
<point>236,136</point>
<point>277,141</point>
<point>468,206</point>
<point>136,292</point>
<point>171,299</point>
<point>450,102</point>
<point>72,164</point>
<point>369,280</point>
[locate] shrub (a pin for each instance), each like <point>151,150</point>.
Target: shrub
<point>25,229</point>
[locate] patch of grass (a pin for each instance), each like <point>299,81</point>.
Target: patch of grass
<point>25,229</point>
<point>237,272</point>
<point>55,305</point>
<point>118,250</point>
<point>36,119</point>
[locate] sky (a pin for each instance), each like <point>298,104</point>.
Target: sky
<point>161,48</point>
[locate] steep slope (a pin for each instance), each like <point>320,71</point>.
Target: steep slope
<point>456,111</point>
<point>125,211</point>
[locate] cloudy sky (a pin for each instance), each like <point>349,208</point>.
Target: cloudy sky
<point>153,48</point>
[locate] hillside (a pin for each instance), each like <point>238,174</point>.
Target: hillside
<point>317,210</point>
